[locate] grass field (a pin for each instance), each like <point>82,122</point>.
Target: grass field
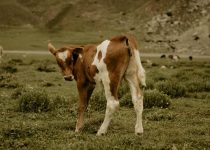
<point>184,124</point>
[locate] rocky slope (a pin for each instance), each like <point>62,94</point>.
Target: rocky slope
<point>181,26</point>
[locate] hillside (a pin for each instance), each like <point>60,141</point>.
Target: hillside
<point>168,26</point>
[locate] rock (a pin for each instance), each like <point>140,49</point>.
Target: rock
<point>163,56</point>
<point>169,13</point>
<point>190,58</point>
<point>163,67</point>
<point>203,12</point>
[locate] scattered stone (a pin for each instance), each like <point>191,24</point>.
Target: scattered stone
<point>172,67</point>
<point>154,65</point>
<point>203,12</point>
<point>163,67</point>
<point>163,56</point>
<point>174,57</point>
<point>190,58</point>
<point>132,28</point>
<point>169,13</point>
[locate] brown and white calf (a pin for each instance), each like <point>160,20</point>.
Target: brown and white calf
<point>108,63</point>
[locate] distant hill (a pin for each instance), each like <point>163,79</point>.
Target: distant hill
<point>172,25</point>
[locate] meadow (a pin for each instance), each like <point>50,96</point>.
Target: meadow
<point>38,108</point>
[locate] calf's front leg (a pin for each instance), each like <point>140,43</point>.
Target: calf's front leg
<point>84,96</point>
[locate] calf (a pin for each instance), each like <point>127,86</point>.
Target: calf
<point>108,63</point>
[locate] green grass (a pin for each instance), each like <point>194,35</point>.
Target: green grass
<point>13,38</point>
<point>184,125</point>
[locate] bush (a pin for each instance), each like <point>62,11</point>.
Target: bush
<point>45,67</point>
<point>97,101</point>
<point>18,92</point>
<point>198,85</point>
<point>152,98</point>
<point>160,115</point>
<point>159,76</point>
<point>150,84</point>
<point>9,69</point>
<point>59,101</point>
<point>171,88</point>
<point>34,101</point>
<point>123,89</point>
<point>126,100</point>
<point>8,81</point>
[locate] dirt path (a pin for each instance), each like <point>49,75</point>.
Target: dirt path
<point>31,52</point>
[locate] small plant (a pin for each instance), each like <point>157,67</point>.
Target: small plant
<point>15,61</point>
<point>160,115</point>
<point>34,101</point>
<point>123,89</point>
<point>8,81</point>
<point>150,84</point>
<point>45,68</point>
<point>159,76</point>
<point>9,69</point>
<point>59,101</point>
<point>18,92</point>
<point>152,98</point>
<point>97,101</point>
<point>198,85</point>
<point>171,88</point>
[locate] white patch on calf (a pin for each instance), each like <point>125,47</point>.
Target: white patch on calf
<point>100,64</point>
<point>141,71</point>
<point>63,55</point>
<point>103,75</point>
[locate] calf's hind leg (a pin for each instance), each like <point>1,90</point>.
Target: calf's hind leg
<point>112,103</point>
<point>137,99</point>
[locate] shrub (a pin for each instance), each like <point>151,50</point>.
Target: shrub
<point>160,115</point>
<point>97,101</point>
<point>198,85</point>
<point>126,100</point>
<point>15,61</point>
<point>34,101</point>
<point>18,92</point>
<point>59,101</point>
<point>159,76</point>
<point>123,89</point>
<point>152,98</point>
<point>45,67</point>
<point>150,84</point>
<point>8,81</point>
<point>171,88</point>
<point>9,69</point>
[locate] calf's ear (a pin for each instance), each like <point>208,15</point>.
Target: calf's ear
<point>76,53</point>
<point>51,48</point>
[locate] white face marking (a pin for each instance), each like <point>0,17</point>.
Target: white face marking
<point>80,56</point>
<point>63,55</point>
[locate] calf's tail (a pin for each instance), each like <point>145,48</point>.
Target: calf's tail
<point>134,53</point>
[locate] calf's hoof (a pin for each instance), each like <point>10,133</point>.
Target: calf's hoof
<point>100,133</point>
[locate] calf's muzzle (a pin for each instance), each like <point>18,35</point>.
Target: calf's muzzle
<point>69,78</point>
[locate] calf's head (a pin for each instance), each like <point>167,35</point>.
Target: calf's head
<point>66,58</point>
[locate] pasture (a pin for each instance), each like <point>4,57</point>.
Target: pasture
<point>176,114</point>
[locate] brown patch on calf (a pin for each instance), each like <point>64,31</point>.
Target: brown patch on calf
<point>99,55</point>
<point>116,66</point>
